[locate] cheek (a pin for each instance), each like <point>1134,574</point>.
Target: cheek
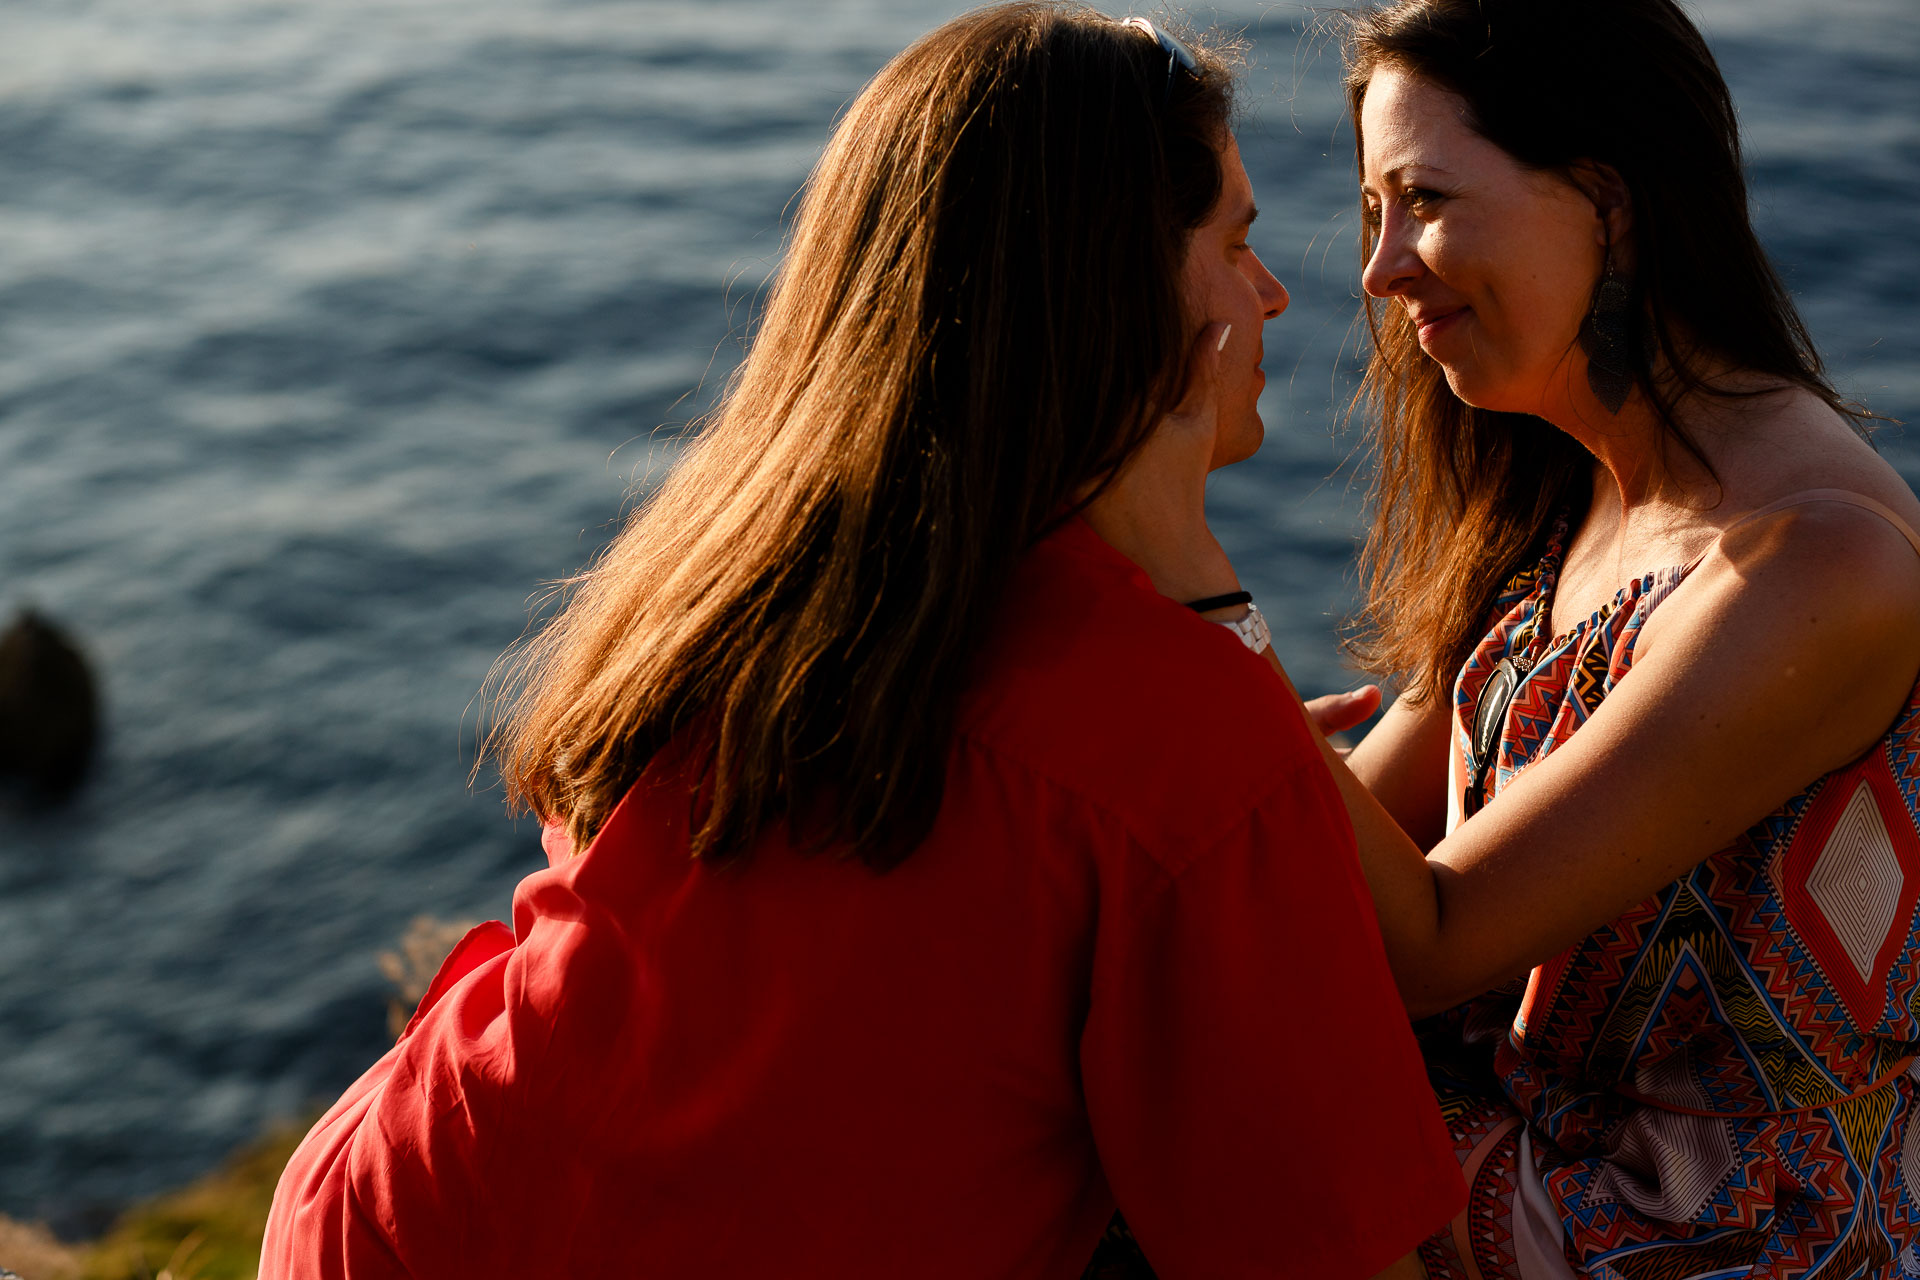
<point>1246,287</point>
<point>1225,291</point>
<point>1215,296</point>
<point>1554,303</point>
<point>1549,278</point>
<point>1457,256</point>
<point>1529,296</point>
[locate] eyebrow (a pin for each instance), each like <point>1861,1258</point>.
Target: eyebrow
<point>1395,175</point>
<point>1248,215</point>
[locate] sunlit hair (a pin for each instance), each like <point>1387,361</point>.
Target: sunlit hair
<point>979,313</point>
<point>1460,494</point>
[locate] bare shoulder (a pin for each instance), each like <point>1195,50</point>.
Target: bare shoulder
<point>1810,591</point>
<point>1816,606</point>
<point>1830,547</point>
<point>1792,442</point>
<point>1826,558</point>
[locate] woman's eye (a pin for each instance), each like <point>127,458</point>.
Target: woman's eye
<point>1420,198</point>
<point>1370,215</point>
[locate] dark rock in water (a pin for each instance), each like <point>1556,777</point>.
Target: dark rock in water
<point>49,707</point>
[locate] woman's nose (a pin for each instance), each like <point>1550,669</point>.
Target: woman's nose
<point>1273,294</point>
<point>1393,263</point>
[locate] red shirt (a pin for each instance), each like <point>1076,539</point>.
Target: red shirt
<point>1133,964</point>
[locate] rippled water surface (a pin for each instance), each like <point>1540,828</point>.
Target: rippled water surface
<point>329,331</point>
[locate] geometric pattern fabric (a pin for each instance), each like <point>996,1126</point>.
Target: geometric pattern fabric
<point>1850,878</point>
<point>1855,883</point>
<point>1718,1082</point>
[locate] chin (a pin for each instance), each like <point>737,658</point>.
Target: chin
<point>1238,444</point>
<point>1460,385</point>
<point>1474,388</point>
<point>1499,386</point>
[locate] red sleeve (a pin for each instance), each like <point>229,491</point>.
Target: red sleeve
<point>1255,1092</point>
<point>397,1178</point>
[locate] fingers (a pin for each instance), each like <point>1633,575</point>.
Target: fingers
<point>1364,702</point>
<point>1334,713</point>
<point>1324,711</point>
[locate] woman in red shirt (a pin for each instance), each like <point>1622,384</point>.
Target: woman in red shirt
<point>897,925</point>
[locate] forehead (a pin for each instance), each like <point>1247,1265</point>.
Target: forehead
<point>1236,189</point>
<point>1407,121</point>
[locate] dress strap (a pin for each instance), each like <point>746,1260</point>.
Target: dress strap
<point>1805,496</point>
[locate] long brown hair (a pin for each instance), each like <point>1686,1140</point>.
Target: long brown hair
<point>1460,494</point>
<point>979,313</point>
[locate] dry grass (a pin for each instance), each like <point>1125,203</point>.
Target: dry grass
<point>209,1230</point>
<point>31,1250</point>
<point>423,949</point>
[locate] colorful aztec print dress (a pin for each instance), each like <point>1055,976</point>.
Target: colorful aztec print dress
<point>1719,1082</point>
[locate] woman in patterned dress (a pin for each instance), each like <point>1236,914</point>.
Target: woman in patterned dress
<point>1641,827</point>
<point>1711,869</point>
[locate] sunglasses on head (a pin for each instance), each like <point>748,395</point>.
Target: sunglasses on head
<point>1179,57</point>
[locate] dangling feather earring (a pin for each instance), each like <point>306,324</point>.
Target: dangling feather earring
<point>1606,335</point>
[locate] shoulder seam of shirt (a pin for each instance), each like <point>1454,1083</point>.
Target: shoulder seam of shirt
<point>1172,867</point>
<point>1169,874</point>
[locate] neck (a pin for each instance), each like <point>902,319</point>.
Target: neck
<point>1640,464</point>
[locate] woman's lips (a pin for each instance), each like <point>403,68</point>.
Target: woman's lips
<point>1432,326</point>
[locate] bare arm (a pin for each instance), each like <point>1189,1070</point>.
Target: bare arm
<point>1403,762</point>
<point>1774,668</point>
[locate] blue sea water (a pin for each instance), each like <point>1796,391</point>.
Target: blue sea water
<point>330,331</point>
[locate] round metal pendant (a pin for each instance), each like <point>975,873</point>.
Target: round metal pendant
<point>1490,717</point>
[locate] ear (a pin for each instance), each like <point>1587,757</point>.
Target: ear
<point>1612,201</point>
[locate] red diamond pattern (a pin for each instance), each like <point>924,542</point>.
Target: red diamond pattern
<point>1850,880</point>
